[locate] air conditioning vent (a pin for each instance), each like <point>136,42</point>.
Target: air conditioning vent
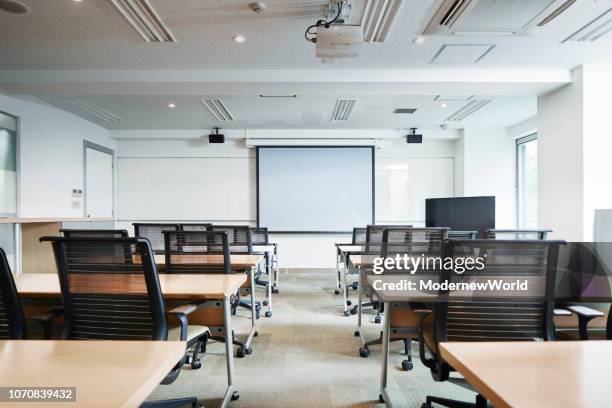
<point>378,18</point>
<point>493,17</point>
<point>88,106</point>
<point>468,109</point>
<point>405,110</point>
<point>217,110</point>
<point>343,109</point>
<point>144,19</point>
<point>594,30</point>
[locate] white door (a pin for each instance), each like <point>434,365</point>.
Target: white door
<point>98,192</point>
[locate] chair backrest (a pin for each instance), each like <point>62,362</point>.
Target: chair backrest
<point>194,227</point>
<point>499,315</point>
<point>462,234</point>
<point>413,241</point>
<point>259,236</point>
<point>238,237</point>
<point>190,251</point>
<point>94,233</point>
<point>516,234</point>
<point>154,233</point>
<point>12,319</point>
<point>374,237</point>
<point>105,297</point>
<point>359,236</point>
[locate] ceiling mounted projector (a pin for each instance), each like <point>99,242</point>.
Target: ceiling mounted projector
<point>216,137</point>
<point>332,37</point>
<point>413,137</point>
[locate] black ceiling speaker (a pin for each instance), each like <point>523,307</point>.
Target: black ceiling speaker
<point>216,137</point>
<point>413,137</point>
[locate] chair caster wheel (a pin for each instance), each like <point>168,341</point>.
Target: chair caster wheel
<point>354,310</point>
<point>235,396</point>
<point>356,333</point>
<point>256,334</point>
<point>364,352</point>
<point>348,303</point>
<point>249,351</point>
<point>346,313</point>
<point>240,353</point>
<point>377,320</point>
<point>380,398</point>
<point>196,364</point>
<point>407,365</point>
<point>336,292</point>
<point>257,316</point>
<point>265,303</point>
<point>268,314</point>
<point>275,291</point>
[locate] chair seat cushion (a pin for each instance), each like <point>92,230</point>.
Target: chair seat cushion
<point>193,331</point>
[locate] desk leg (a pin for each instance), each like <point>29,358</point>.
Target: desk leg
<point>359,311</point>
<point>275,268</point>
<point>247,343</point>
<point>344,288</point>
<point>338,273</point>
<point>270,282</point>
<point>230,394</point>
<point>384,397</point>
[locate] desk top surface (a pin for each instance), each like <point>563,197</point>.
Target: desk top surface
<point>238,261</point>
<point>568,374</point>
<point>174,286</point>
<point>105,373</point>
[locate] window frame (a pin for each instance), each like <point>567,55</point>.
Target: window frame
<point>519,142</point>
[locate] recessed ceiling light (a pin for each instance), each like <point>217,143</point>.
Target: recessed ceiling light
<point>419,40</point>
<point>78,1</point>
<point>239,39</point>
<point>443,105</point>
<point>172,105</point>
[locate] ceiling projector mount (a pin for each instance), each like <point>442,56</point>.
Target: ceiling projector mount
<point>334,38</point>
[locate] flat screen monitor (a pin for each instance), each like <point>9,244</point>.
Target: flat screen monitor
<point>461,213</point>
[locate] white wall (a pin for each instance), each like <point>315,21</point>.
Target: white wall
<point>297,250</point>
<point>50,156</point>
<point>486,158</point>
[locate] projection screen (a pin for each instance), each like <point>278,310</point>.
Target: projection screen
<point>315,189</point>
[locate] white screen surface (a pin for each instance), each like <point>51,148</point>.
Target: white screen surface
<point>314,189</point>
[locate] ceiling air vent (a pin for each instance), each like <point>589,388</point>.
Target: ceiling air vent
<point>405,110</point>
<point>378,18</point>
<point>88,106</point>
<point>594,30</point>
<point>468,109</point>
<point>217,110</point>
<point>343,110</point>
<point>144,19</point>
<point>493,17</point>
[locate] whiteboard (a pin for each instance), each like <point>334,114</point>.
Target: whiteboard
<point>314,189</point>
<point>403,184</point>
<point>181,189</point>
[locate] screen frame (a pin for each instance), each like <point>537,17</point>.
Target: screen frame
<point>372,148</point>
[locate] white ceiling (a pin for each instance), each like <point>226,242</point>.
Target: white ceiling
<point>64,48</point>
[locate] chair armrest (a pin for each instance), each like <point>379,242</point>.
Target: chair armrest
<point>583,311</point>
<point>422,310</point>
<point>561,312</point>
<point>181,313</point>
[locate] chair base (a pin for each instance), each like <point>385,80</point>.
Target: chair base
<point>172,403</point>
<point>481,402</point>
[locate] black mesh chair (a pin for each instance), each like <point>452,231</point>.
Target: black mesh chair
<point>462,234</point>
<point>154,233</point>
<point>94,233</point>
<point>186,252</point>
<point>13,323</point>
<point>12,319</point>
<point>195,227</point>
<point>240,242</point>
<point>260,237</point>
<point>498,315</point>
<point>358,238</point>
<point>508,234</point>
<point>413,242</point>
<point>107,298</point>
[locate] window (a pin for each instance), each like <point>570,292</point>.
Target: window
<point>8,183</point>
<point>527,181</point>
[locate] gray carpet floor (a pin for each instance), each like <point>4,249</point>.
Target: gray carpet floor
<point>307,356</point>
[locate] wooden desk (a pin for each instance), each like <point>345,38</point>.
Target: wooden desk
<point>105,373</point>
<point>568,374</point>
<point>192,287</point>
